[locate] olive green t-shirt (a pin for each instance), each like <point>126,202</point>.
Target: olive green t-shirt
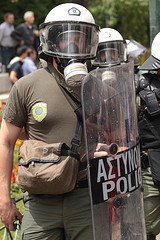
<point>37,103</point>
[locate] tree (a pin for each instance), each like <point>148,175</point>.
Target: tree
<point>19,7</point>
<point>130,18</point>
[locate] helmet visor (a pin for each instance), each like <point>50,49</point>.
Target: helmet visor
<point>111,53</point>
<point>70,40</point>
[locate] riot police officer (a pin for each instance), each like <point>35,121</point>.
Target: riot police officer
<point>110,118</point>
<point>68,36</point>
<point>148,98</point>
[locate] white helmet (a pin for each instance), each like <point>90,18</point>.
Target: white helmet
<point>153,62</point>
<point>69,31</point>
<point>111,48</point>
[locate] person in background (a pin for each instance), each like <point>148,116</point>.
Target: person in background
<point>148,105</point>
<point>68,33</point>
<point>28,63</point>
<point>7,43</point>
<point>27,33</point>
<point>16,71</point>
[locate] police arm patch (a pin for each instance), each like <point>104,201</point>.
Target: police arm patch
<point>39,111</point>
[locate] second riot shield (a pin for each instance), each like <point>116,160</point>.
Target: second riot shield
<point>113,153</point>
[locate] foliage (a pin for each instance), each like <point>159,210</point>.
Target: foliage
<point>130,18</point>
<point>0,114</point>
<point>102,11</point>
<point>14,189</point>
<point>19,7</point>
<point>133,20</point>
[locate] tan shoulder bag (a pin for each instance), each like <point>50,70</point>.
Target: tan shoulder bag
<point>48,168</point>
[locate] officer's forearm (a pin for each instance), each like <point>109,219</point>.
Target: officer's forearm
<point>6,158</point>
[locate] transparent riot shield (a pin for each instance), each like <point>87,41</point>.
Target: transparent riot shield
<point>113,153</point>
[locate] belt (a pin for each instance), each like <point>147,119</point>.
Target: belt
<point>82,184</point>
<point>144,161</point>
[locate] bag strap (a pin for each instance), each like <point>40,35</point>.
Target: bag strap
<point>63,86</point>
<point>77,111</point>
<point>71,96</point>
<point>76,140</point>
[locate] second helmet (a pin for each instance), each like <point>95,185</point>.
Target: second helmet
<point>111,48</point>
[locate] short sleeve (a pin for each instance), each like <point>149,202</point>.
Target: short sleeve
<point>16,67</point>
<point>15,111</point>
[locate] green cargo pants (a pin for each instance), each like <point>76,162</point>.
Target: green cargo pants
<point>61,217</point>
<point>151,203</point>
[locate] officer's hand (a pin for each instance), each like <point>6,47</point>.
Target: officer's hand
<point>103,150</point>
<point>9,212</point>
<point>100,153</point>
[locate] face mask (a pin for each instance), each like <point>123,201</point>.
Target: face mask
<point>74,73</point>
<point>74,70</point>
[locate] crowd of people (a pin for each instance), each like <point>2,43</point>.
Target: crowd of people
<point>69,36</point>
<point>18,43</point>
